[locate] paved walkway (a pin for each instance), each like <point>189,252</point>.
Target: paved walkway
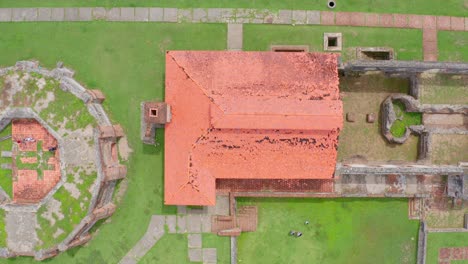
<point>237,16</point>
<point>21,231</point>
<point>446,255</point>
<point>193,222</point>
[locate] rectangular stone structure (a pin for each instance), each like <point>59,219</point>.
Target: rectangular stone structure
<point>57,14</point>
<point>234,38</point>
<point>284,17</point>
<point>313,17</point>
<point>170,15</point>
<point>113,14</point>
<point>99,13</point>
<point>156,14</point>
<point>299,17</point>
<point>141,14</point>
<point>5,14</point>
<point>127,14</point>
<point>24,14</point>
<point>199,15</point>
<point>71,14</point>
<point>85,14</point>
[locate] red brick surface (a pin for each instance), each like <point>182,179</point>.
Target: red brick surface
<point>457,23</point>
<point>429,35</point>
<point>386,20</point>
<point>415,21</point>
<point>358,19</point>
<point>400,21</point>
<point>343,18</point>
<point>327,18</point>
<point>430,22</point>
<point>372,20</point>
<point>444,253</point>
<point>27,186</point>
<point>443,23</point>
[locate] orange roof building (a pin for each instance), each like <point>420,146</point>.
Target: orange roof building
<point>248,115</point>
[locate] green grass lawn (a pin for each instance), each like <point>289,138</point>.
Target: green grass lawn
<point>435,241</point>
<point>404,119</point>
<point>6,181</point>
<point>340,231</point>
<point>444,89</point>
<point>126,61</point>
<point>431,7</point>
<point>171,248</point>
<point>408,45</point>
<point>453,45</point>
<point>222,245</point>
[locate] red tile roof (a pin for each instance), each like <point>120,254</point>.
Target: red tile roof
<point>248,115</point>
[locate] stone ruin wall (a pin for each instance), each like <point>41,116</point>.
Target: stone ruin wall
<point>101,205</point>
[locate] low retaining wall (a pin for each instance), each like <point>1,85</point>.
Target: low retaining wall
<point>422,243</point>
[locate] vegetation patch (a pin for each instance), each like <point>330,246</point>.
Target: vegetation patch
<point>3,234</point>
<point>343,230</point>
<point>6,181</point>
<point>73,209</point>
<point>436,241</point>
<point>444,89</point>
<point>404,119</point>
<point>222,245</point>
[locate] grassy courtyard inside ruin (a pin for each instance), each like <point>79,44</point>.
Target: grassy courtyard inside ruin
<point>126,62</point>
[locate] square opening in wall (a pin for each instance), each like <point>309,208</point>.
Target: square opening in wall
<point>153,112</point>
<point>332,42</point>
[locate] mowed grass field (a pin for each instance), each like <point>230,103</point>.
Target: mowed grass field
<point>436,241</point>
<point>339,231</point>
<point>407,46</point>
<point>429,7</point>
<point>126,61</point>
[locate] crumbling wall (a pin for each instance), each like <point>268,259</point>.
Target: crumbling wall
<point>422,243</point>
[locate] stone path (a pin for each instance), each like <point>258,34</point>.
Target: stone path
<point>21,231</point>
<point>192,222</point>
<point>235,17</point>
<point>446,255</point>
<point>154,232</point>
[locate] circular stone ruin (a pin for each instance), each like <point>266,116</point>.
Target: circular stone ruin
<point>59,161</point>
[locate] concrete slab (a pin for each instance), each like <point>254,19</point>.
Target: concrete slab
<point>357,19</point>
<point>299,17</point>
<point>141,14</point>
<point>234,38</point>
<point>284,17</point>
<point>430,22</point>
<point>400,20</point>
<point>71,14</point>
<point>195,254</point>
<point>5,14</point>
<point>85,14</point>
<point>99,13</point>
<point>24,14</point>
<point>443,23</point>
<point>415,21</point>
<point>327,18</point>
<point>127,14</point>
<point>181,224</point>
<point>57,14</point>
<point>199,15</point>
<point>194,241</point>
<point>113,14</point>
<point>184,15</point>
<point>457,23</point>
<point>170,15</point>
<point>193,223</point>
<point>386,20</point>
<point>313,17</point>
<point>206,223</point>
<point>372,20</point>
<point>375,184</point>
<point>343,18</point>
<point>156,14</point>
<point>214,15</point>
<point>222,205</point>
<point>171,223</point>
<point>209,255</point>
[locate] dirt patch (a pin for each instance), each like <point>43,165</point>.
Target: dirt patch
<point>449,149</point>
<point>443,89</point>
<point>58,233</point>
<point>124,149</point>
<point>363,95</point>
<point>43,103</point>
